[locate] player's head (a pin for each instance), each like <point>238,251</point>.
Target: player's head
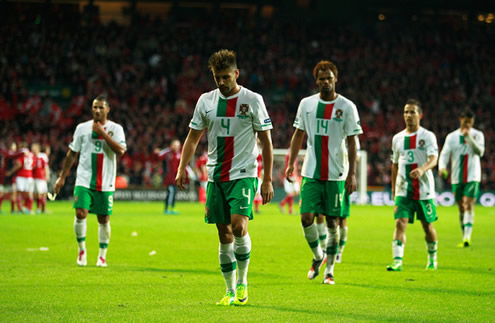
<point>175,145</point>
<point>13,146</point>
<point>100,108</point>
<point>412,113</point>
<point>466,118</point>
<point>223,66</point>
<point>325,74</point>
<point>35,148</point>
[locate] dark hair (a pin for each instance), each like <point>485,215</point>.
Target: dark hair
<point>467,113</point>
<point>415,102</point>
<point>221,60</point>
<point>323,66</point>
<point>103,98</point>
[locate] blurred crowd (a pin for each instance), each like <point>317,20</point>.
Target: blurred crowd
<point>154,70</point>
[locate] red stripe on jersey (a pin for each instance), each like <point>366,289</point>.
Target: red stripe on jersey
<point>328,111</point>
<point>324,157</point>
<point>465,169</point>
<point>228,156</point>
<point>99,171</point>
<point>412,142</point>
<point>415,181</point>
<point>231,104</point>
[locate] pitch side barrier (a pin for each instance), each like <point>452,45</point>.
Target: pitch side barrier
<point>445,198</point>
<point>152,195</point>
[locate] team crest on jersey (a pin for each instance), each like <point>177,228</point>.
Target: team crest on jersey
<point>243,110</point>
<point>76,198</point>
<point>110,133</point>
<point>338,115</point>
<point>421,144</point>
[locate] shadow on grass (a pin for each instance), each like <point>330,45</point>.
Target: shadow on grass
<point>190,271</point>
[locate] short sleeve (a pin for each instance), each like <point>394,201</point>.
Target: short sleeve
<point>298,121</point>
<point>119,136</point>
<point>352,124</point>
<point>432,147</point>
<point>75,144</point>
<point>261,119</point>
<point>395,152</point>
<point>198,121</point>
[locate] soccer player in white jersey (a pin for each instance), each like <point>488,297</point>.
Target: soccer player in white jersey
<point>98,143</point>
<point>464,148</point>
<point>414,155</point>
<point>234,117</point>
<point>328,118</point>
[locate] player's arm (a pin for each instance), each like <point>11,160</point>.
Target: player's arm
<point>350,182</point>
<point>478,148</point>
<point>188,150</point>
<point>267,154</point>
<point>430,164</point>
<point>295,146</point>
<point>15,168</point>
<point>115,146</point>
<point>444,159</point>
<point>69,160</point>
<point>395,171</point>
<point>47,172</point>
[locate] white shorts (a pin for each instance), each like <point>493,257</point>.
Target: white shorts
<point>24,184</point>
<point>291,188</point>
<point>9,188</point>
<point>40,186</point>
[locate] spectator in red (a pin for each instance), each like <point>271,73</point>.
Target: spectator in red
<point>7,185</point>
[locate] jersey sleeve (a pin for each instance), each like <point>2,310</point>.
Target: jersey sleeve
<point>445,154</point>
<point>261,120</point>
<point>75,144</point>
<point>480,142</point>
<point>119,136</point>
<point>352,124</point>
<point>298,121</point>
<point>395,152</point>
<point>432,146</point>
<point>198,121</point>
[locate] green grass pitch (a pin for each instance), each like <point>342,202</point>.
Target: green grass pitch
<point>182,280</point>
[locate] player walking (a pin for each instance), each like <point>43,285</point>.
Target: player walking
<point>414,154</point>
<point>327,118</point>
<point>98,142</point>
<point>463,148</point>
<point>41,173</point>
<point>234,117</point>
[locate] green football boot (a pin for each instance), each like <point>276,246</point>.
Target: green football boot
<point>241,295</point>
<point>227,300</point>
<point>395,266</point>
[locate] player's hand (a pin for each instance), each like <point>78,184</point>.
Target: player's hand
<point>350,184</point>
<point>288,173</point>
<point>416,173</point>
<point>464,131</point>
<point>267,191</point>
<point>181,180</point>
<point>58,185</point>
<point>98,128</point>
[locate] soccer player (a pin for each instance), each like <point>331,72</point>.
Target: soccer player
<point>327,118</point>
<point>292,189</point>
<point>41,174</point>
<point>171,158</point>
<point>24,181</point>
<point>414,154</point>
<point>98,143</point>
<point>234,117</point>
<point>7,172</point>
<point>202,173</point>
<point>463,148</point>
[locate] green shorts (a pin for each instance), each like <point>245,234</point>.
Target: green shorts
<point>95,202</point>
<point>471,189</point>
<point>323,197</point>
<point>424,209</point>
<point>226,198</point>
<point>346,207</point>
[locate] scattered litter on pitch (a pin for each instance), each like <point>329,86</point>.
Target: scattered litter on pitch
<point>152,253</point>
<point>134,234</point>
<point>38,249</point>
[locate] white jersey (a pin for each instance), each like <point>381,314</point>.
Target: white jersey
<point>232,123</point>
<point>410,151</point>
<point>466,165</point>
<point>97,161</point>
<point>327,124</point>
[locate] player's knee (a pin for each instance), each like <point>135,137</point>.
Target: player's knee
<point>81,214</point>
<point>307,219</point>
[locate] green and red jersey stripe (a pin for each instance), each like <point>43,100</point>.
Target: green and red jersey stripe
<point>226,108</point>
<point>412,183</point>
<point>463,172</point>
<point>321,151</point>
<point>225,154</point>
<point>410,142</point>
<point>96,167</point>
<point>324,111</point>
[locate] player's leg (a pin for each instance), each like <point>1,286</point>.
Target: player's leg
<point>398,244</point>
<point>82,203</point>
<point>217,212</point>
<point>167,199</point>
<point>342,224</point>
<point>322,234</point>
<point>457,189</point>
<point>173,195</point>
<point>29,195</point>
<point>468,220</point>
<point>332,247</point>
<point>103,207</point>
<point>426,212</point>
<point>311,192</point>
